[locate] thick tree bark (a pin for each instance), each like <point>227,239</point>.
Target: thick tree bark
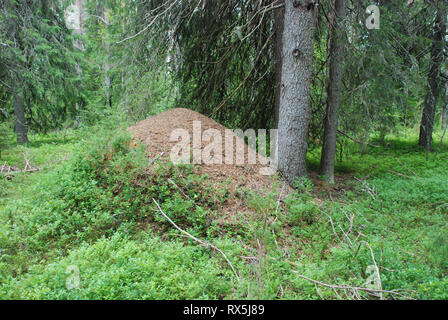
<point>444,120</point>
<point>79,25</point>
<point>445,116</point>
<point>75,16</point>
<point>279,14</point>
<point>336,50</point>
<point>429,110</point>
<point>295,110</point>
<point>106,63</point>
<point>445,107</point>
<point>21,128</point>
<point>80,30</point>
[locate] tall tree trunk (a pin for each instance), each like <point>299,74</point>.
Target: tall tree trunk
<point>445,116</point>
<point>21,128</point>
<point>279,22</point>
<point>80,16</point>
<point>106,63</point>
<point>445,107</point>
<point>80,30</point>
<point>444,120</point>
<point>429,110</point>
<point>75,15</point>
<point>336,50</point>
<point>295,109</point>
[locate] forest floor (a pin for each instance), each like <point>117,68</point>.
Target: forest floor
<point>90,213</point>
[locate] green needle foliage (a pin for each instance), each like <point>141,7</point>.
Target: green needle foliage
<point>38,60</point>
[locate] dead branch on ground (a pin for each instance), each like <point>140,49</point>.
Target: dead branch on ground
<point>203,242</point>
<point>353,289</point>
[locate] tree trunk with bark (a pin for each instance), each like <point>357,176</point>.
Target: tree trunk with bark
<point>278,17</point>
<point>106,62</point>
<point>429,110</point>
<point>21,128</point>
<point>445,106</point>
<point>445,115</point>
<point>295,109</point>
<point>81,15</point>
<point>336,52</point>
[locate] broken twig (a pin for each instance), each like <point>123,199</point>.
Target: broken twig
<point>204,243</point>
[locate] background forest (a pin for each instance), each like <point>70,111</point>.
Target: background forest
<point>368,214</point>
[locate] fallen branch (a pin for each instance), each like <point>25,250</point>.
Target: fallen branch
<point>332,227</point>
<point>224,102</point>
<point>344,286</point>
<point>279,198</point>
<point>28,167</point>
<point>4,112</point>
<point>356,141</point>
<point>149,25</point>
<point>178,188</point>
<point>405,166</point>
<point>204,243</point>
<point>376,270</point>
<point>354,289</point>
<point>366,188</point>
<point>156,158</point>
<point>399,174</point>
<point>8,170</point>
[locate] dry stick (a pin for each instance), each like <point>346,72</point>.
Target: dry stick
<point>28,167</point>
<point>204,243</point>
<point>156,158</point>
<point>348,238</point>
<point>332,226</point>
<point>399,174</point>
<point>377,270</point>
<point>263,10</point>
<point>343,286</point>
<point>9,171</point>
<point>27,161</point>
<point>223,103</point>
<point>4,112</point>
<point>367,188</point>
<point>193,12</point>
<point>178,188</point>
<point>279,197</point>
<point>149,25</point>
<point>356,141</point>
<point>404,165</point>
<point>346,287</point>
<point>350,219</point>
<point>186,196</point>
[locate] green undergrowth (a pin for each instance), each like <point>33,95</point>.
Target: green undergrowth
<point>92,208</point>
